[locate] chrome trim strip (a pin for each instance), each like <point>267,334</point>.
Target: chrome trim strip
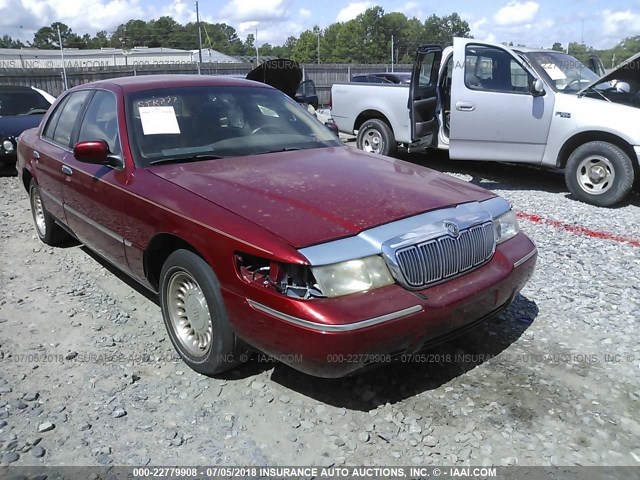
<point>334,328</point>
<point>404,232</point>
<point>94,224</point>
<point>525,258</point>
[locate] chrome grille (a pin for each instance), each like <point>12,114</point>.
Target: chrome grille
<point>446,256</point>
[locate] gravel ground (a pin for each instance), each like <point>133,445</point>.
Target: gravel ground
<point>88,376</point>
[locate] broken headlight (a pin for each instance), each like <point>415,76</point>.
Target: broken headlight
<point>305,282</point>
<point>352,276</point>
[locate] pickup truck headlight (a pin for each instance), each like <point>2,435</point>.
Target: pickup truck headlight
<point>505,226</point>
<point>352,276</point>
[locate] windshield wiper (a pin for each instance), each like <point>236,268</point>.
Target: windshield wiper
<point>187,158</point>
<point>277,150</point>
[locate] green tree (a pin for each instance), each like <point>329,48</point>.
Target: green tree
<point>557,46</point>
<point>249,44</point>
<point>306,48</point>
<point>441,30</point>
<point>7,42</point>
<point>580,51</point>
<point>47,37</point>
<point>100,40</point>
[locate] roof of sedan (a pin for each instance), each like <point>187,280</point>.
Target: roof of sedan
<point>145,82</point>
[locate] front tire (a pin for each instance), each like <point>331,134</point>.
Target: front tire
<point>48,230</point>
<point>195,316</point>
<point>599,173</point>
<point>375,136</point>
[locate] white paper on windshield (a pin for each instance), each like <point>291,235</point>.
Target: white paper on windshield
<point>553,71</point>
<point>158,120</point>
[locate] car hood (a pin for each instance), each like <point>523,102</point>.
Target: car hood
<point>280,73</point>
<point>626,71</point>
<point>312,196</point>
<point>14,125</point>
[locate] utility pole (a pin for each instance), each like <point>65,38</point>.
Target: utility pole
<point>392,52</point>
<point>64,70</point>
<point>199,33</point>
<point>123,41</point>
<point>255,43</point>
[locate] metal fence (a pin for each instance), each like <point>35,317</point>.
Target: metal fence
<point>51,80</point>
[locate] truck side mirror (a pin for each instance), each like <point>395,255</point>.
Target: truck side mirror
<point>537,88</point>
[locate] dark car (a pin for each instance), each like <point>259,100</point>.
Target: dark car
<point>20,108</point>
<point>386,77</point>
<point>257,227</point>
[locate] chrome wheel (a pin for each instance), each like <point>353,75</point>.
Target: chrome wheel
<point>189,313</point>
<point>595,174</point>
<point>372,141</point>
<point>38,212</point>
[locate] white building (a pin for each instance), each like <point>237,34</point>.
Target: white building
<point>31,58</point>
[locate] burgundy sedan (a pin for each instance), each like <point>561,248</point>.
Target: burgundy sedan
<point>259,229</point>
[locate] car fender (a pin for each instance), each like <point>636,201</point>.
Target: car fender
<point>581,116</point>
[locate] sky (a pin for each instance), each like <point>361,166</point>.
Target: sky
<point>599,23</point>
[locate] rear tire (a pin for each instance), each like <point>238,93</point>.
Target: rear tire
<point>375,136</point>
<point>599,173</point>
<point>195,315</point>
<point>48,230</point>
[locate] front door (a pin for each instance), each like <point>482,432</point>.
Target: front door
<point>423,100</point>
<point>92,193</point>
<point>495,113</point>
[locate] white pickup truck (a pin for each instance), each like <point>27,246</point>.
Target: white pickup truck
<point>486,101</point>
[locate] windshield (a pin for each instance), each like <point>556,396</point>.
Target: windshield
<point>566,73</point>
<point>204,122</point>
<point>16,102</point>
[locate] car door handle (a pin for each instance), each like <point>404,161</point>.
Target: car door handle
<point>35,155</point>
<point>465,106</point>
<point>67,170</point>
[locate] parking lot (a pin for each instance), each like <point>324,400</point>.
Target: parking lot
<point>89,377</point>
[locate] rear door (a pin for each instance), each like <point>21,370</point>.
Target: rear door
<point>52,149</point>
<point>423,99</point>
<point>494,114</point>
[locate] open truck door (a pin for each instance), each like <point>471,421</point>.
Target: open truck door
<point>500,109</point>
<point>595,65</point>
<point>423,99</point>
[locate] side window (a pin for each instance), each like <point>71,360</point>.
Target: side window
<point>495,70</point>
<point>426,69</point>
<point>519,77</point>
<point>68,116</point>
<point>53,120</point>
<point>101,121</point>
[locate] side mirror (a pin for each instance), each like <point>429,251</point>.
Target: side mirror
<point>537,88</point>
<point>95,152</point>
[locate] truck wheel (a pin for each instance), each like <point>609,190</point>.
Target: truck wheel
<point>195,316</point>
<point>375,136</point>
<point>48,230</point>
<point>599,173</point>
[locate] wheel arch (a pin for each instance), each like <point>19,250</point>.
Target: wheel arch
<point>26,178</point>
<point>369,115</point>
<point>160,247</point>
<point>594,136</point>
